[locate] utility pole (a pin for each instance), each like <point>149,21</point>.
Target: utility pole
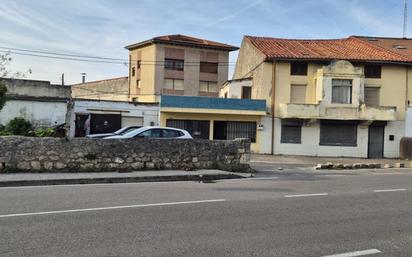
<point>405,18</point>
<point>83,77</point>
<point>62,79</point>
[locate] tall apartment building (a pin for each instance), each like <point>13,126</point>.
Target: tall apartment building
<point>177,65</point>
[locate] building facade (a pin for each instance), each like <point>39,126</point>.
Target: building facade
<point>41,103</point>
<point>343,97</point>
<point>177,65</point>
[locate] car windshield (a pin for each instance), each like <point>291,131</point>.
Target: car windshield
<point>126,130</point>
<point>134,132</point>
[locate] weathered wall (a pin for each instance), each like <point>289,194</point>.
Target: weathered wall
<point>116,89</point>
<point>40,102</point>
<point>94,155</point>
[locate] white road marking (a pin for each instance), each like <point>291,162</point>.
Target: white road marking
<point>389,190</point>
<point>266,178</point>
<point>304,195</point>
<point>355,254</point>
<point>110,208</point>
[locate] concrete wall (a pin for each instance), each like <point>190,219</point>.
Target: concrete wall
<point>116,89</point>
<point>39,113</point>
<point>94,155</point>
<point>148,112</point>
<point>234,88</point>
<point>39,102</point>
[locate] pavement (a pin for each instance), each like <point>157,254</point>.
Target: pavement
<point>33,179</point>
<point>296,212</point>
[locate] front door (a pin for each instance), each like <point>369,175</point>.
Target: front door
<point>375,144</point>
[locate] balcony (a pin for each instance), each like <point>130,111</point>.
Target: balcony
<point>346,112</point>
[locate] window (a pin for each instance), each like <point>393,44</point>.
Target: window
<point>372,96</point>
<point>138,83</point>
<point>229,130</point>
<point>174,84</point>
<point>373,71</point>
<point>138,64</point>
<point>208,86</point>
<point>208,67</point>
<point>338,133</point>
<point>291,132</point>
<point>171,133</point>
<point>225,94</point>
<point>151,133</point>
<point>174,64</point>
<point>299,68</point>
<point>298,94</point>
<point>246,92</point>
<point>133,71</point>
<point>342,91</point>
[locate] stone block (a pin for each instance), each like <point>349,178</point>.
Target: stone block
<point>338,166</point>
<point>59,165</point>
<point>329,165</point>
<point>399,165</point>
<point>348,166</point>
<point>388,166</point>
<point>48,166</point>
<point>364,166</point>
<point>118,160</point>
<point>35,165</point>
<point>357,165</point>
<point>23,165</point>
<point>137,165</point>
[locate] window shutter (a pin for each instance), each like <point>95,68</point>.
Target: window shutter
<point>372,96</point>
<point>298,94</point>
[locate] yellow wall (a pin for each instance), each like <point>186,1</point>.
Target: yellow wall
<point>212,117</point>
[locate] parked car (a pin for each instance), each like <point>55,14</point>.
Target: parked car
<point>119,132</point>
<point>154,132</point>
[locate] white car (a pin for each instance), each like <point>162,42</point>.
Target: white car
<point>154,132</point>
<point>121,131</point>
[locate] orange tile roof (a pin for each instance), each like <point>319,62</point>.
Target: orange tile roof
<point>351,48</point>
<point>183,40</point>
<point>402,46</point>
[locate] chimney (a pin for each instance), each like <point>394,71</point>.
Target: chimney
<point>83,77</point>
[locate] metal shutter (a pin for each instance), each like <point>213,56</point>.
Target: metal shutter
<point>372,96</point>
<point>339,134</point>
<point>298,94</point>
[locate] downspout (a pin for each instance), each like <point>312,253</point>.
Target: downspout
<point>273,106</point>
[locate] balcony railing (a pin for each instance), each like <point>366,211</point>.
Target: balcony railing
<point>316,111</point>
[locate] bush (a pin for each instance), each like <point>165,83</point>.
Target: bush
<point>3,97</point>
<point>19,126</point>
<point>45,132</point>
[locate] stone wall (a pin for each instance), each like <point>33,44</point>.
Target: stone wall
<point>27,154</point>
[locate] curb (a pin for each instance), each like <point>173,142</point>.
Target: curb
<point>199,178</point>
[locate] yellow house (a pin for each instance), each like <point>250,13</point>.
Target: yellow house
<point>339,97</point>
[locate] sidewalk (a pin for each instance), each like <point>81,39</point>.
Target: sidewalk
<point>36,179</point>
<point>311,161</point>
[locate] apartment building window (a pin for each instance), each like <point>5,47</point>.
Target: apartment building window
<point>338,133</point>
<point>139,62</point>
<point>299,68</point>
<point>138,83</point>
<point>174,84</point>
<point>341,91</point>
<point>174,64</point>
<point>246,92</point>
<point>208,86</point>
<point>298,94</point>
<point>229,130</point>
<point>291,132</point>
<point>133,71</point>
<point>372,95</point>
<point>208,67</point>
<point>373,71</point>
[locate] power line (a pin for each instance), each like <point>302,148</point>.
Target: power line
<point>64,56</point>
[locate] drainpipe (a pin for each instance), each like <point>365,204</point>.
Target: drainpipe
<point>273,106</point>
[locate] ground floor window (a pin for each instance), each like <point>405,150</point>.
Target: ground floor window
<point>291,132</point>
<point>229,130</point>
<point>96,123</point>
<point>338,133</point>
<point>196,128</point>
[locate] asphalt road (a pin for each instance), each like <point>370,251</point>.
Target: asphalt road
<point>280,213</point>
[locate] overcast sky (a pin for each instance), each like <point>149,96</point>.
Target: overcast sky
<point>104,27</point>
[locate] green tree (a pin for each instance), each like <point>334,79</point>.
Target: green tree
<point>3,97</point>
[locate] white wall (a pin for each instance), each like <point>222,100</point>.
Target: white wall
<point>266,135</point>
<point>149,113</point>
<point>310,143</point>
<point>234,88</point>
<point>40,114</point>
<point>311,135</point>
<point>408,124</point>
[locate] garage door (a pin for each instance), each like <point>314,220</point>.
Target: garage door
<point>132,121</point>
